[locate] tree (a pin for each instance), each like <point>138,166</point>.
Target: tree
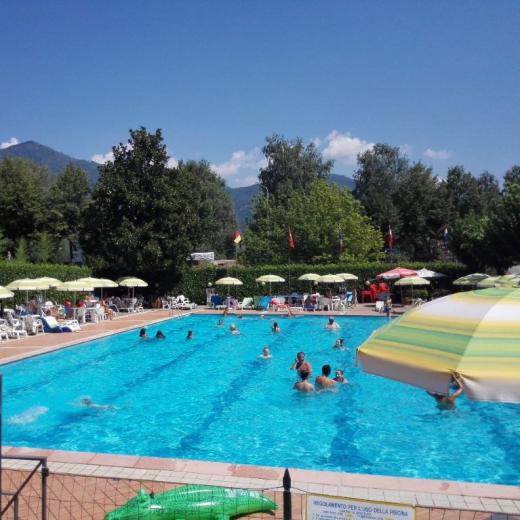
<point>21,254</point>
<point>422,212</point>
<point>69,196</point>
<point>145,218</point>
<point>504,230</point>
<point>205,194</point>
<point>22,194</point>
<point>378,179</point>
<point>316,220</point>
<point>489,192</point>
<point>291,166</point>
<point>463,195</point>
<point>44,248</point>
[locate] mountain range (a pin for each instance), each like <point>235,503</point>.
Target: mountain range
<point>57,161</point>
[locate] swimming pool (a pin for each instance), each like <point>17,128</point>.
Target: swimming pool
<point>213,399</point>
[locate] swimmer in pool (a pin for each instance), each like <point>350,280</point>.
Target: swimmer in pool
<point>300,364</point>
<point>190,335</point>
<point>160,335</point>
<point>142,333</point>
<point>275,328</point>
<point>233,329</point>
<point>87,401</point>
<point>447,402</point>
<point>266,354</point>
<point>332,325</point>
<point>303,385</point>
<point>340,378</point>
<point>220,322</point>
<point>339,345</point>
<point>324,382</point>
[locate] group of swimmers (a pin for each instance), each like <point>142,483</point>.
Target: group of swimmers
<point>144,335</point>
<point>322,382</point>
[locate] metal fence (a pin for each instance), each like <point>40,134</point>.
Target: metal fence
<point>81,497</point>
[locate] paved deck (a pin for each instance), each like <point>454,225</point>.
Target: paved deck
<point>457,496</point>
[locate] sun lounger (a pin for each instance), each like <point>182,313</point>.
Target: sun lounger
<point>51,325</point>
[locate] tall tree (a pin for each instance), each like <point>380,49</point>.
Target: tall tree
<point>22,193</point>
<point>504,232</point>
<point>146,217</point>
<point>206,197</point>
<point>377,181</point>
<point>422,212</point>
<point>43,248</point>
<point>69,196</point>
<point>463,193</point>
<point>316,220</point>
<point>291,166</point>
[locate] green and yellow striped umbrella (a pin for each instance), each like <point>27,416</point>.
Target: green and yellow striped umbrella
<point>475,333</point>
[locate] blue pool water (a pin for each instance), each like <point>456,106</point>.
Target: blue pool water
<point>212,399</point>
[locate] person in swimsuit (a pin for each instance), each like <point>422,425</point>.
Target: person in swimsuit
<point>160,335</point>
<point>233,329</point>
<point>339,345</point>
<point>324,382</point>
<point>447,402</point>
<point>142,333</point>
<point>190,335</point>
<point>275,328</point>
<point>303,385</point>
<point>332,325</point>
<point>340,378</point>
<point>266,354</point>
<point>300,364</point>
<point>87,401</point>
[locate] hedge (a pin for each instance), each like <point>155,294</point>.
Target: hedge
<point>195,280</point>
<point>10,271</point>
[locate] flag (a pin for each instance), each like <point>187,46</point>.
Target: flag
<point>341,245</point>
<point>237,238</point>
<point>291,241</point>
<point>389,238</point>
<point>445,236</point>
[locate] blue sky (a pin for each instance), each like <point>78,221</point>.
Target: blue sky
<point>441,79</point>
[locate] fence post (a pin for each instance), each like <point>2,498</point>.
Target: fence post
<point>45,474</point>
<point>287,501</point>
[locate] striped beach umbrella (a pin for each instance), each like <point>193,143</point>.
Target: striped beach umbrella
<point>475,333</point>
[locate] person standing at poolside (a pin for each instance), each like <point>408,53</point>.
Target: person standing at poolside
<point>303,385</point>
<point>301,365</point>
<point>324,382</point>
<point>447,402</point>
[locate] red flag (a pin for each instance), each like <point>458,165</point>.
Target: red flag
<point>237,237</point>
<point>291,241</point>
<point>389,238</point>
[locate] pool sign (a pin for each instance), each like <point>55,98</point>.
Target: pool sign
<point>320,507</point>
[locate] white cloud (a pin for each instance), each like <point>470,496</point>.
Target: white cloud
<point>172,162</point>
<point>437,154</point>
<point>102,158</point>
<point>406,149</point>
<point>242,168</point>
<point>9,143</point>
<point>344,147</point>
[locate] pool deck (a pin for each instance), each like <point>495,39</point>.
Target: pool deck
<point>455,496</point>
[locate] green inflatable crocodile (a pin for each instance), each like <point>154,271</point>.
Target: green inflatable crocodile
<point>193,503</point>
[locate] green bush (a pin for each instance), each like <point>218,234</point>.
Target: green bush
<point>194,281</point>
<point>10,271</point>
